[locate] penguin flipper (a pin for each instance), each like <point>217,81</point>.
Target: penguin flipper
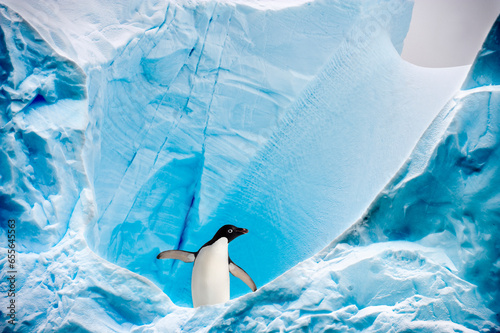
<point>177,254</point>
<point>241,274</point>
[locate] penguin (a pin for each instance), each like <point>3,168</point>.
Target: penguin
<point>212,265</point>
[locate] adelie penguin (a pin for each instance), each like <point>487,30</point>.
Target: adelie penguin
<point>212,265</point>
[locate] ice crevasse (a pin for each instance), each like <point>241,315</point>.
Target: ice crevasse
<point>129,128</point>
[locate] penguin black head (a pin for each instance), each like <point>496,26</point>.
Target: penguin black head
<point>230,232</point>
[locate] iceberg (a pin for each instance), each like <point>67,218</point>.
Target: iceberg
<point>130,128</point>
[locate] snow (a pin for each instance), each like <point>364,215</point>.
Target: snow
<point>129,128</point>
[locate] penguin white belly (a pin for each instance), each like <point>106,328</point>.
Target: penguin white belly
<point>210,279</point>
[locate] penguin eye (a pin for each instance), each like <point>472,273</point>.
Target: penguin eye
<point>230,231</point>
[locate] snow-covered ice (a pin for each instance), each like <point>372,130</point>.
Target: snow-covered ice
<point>133,127</point>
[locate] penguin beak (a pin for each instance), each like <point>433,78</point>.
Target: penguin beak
<point>242,231</point>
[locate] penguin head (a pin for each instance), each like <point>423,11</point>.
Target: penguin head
<point>230,232</point>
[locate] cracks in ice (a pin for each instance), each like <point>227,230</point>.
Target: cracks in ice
<point>119,185</point>
<point>200,169</point>
<point>201,55</point>
<point>166,17</point>
<point>196,195</point>
<point>488,120</point>
<point>129,47</point>
<point>184,225</point>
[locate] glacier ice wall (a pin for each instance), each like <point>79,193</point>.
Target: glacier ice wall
<point>180,175</point>
<point>448,197</point>
<point>423,258</point>
<point>170,119</point>
<point>44,118</point>
<point>181,115</point>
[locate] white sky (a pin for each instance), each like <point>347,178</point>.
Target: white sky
<point>445,33</point>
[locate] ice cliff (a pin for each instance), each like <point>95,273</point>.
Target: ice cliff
<point>133,127</point>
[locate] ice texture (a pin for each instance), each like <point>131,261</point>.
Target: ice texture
<point>486,68</point>
<point>44,117</point>
<point>133,127</point>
